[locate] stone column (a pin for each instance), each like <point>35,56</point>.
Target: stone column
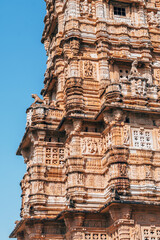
<point>75,166</point>
<point>60,23</point>
<point>141,15</point>
<point>74,225</point>
<point>72,8</point>
<point>123,224</point>
<point>60,90</point>
<point>74,90</point>
<point>104,72</point>
<point>60,82</point>
<point>99,9</point>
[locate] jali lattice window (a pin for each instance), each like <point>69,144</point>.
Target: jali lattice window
<point>54,156</point>
<point>150,233</point>
<point>142,138</point>
<point>95,236</point>
<point>123,73</point>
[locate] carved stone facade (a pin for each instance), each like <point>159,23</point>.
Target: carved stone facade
<point>92,144</point>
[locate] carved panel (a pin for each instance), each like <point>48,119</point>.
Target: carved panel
<point>138,87</point>
<point>77,236</point>
<point>29,117</point>
<point>89,69</point>
<point>126,135</point>
<point>91,146</point>
<point>54,189</point>
<point>158,138</point>
<point>86,9</point>
<point>107,141</point>
<point>157,76</point>
<point>153,19</point>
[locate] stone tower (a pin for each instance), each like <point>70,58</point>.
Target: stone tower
<point>92,145</point>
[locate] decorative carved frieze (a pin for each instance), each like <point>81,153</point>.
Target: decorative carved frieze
<point>91,146</point>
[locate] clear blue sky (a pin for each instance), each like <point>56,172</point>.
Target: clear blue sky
<point>22,64</point>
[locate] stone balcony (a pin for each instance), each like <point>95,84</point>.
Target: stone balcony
<point>134,90</point>
<point>41,114</point>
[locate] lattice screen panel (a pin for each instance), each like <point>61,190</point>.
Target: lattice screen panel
<point>142,138</point>
<point>151,233</point>
<point>95,236</point>
<point>54,155</point>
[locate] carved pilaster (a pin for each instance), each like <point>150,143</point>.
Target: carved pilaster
<point>74,95</point>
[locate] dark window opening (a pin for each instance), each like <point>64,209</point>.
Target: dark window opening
<point>96,130</point>
<point>127,120</point>
<point>154,123</point>
<point>86,129</point>
<point>119,11</point>
<point>55,31</point>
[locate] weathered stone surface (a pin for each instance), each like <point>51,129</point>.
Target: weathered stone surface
<point>92,144</point>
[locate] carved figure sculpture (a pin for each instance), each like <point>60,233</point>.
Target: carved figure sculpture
<point>88,69</point>
<point>37,99</point>
<point>134,72</point>
<point>86,9</point>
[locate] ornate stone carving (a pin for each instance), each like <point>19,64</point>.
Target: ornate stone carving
<point>118,115</point>
<point>107,141</point>
<point>126,135</point>
<point>138,86</point>
<point>29,117</point>
<point>153,19</point>
<point>123,212</point>
<point>142,138</point>
<point>77,236</point>
<point>54,156</point>
<point>74,45</point>
<point>151,232</point>
<point>148,172</point>
<point>85,9</point>
<point>95,236</point>
<point>92,142</point>
<point>37,99</point>
<point>77,125</point>
<point>88,69</point>
<point>123,170</point>
<point>91,146</point>
<point>158,138</point>
<point>134,72</point>
<point>136,233</point>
